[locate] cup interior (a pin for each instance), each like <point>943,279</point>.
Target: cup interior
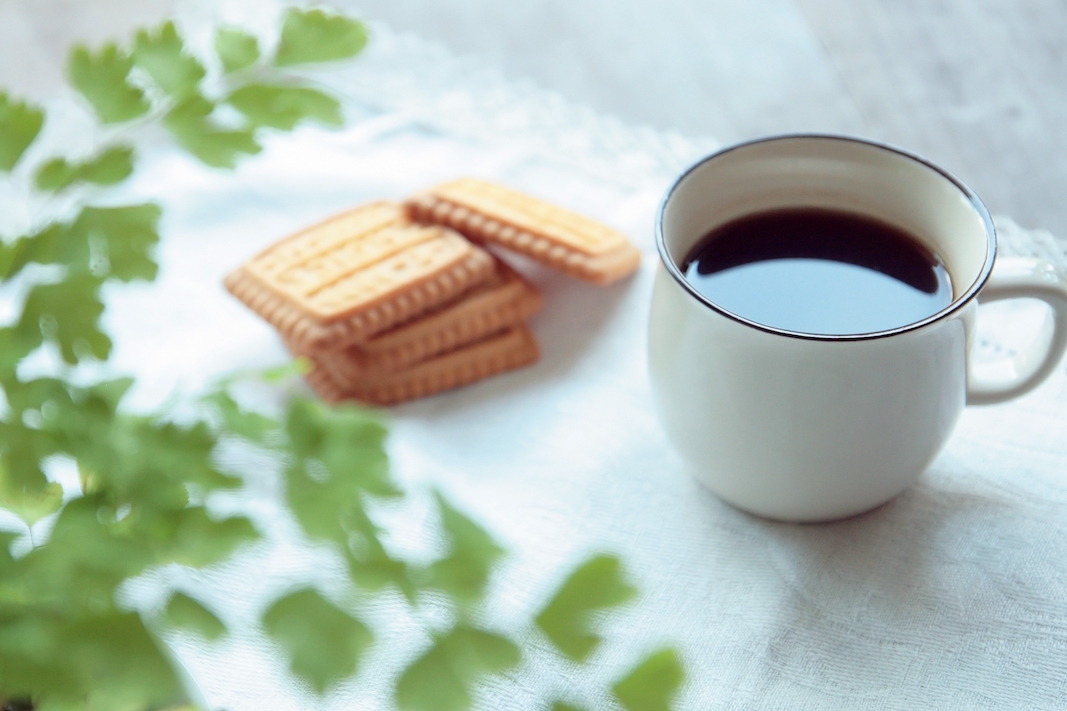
<point>836,173</point>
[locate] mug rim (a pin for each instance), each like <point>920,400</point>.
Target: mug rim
<point>956,304</point>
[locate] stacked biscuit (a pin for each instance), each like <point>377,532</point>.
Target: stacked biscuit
<point>391,302</point>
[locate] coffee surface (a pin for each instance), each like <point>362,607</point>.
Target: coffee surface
<point>819,271</point>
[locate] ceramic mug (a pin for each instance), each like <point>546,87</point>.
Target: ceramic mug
<point>805,427</point>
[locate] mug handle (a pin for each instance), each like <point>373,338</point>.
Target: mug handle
<point>1025,279</point>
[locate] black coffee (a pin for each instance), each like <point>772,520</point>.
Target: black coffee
<point>812,270</point>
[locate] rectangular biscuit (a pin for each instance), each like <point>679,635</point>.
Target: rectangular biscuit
<point>547,233</point>
<point>504,300</point>
<point>356,274</point>
<point>310,245</point>
<point>506,350</point>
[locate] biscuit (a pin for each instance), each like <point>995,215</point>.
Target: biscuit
<point>504,300</point>
<point>561,239</point>
<point>356,274</point>
<point>507,350</point>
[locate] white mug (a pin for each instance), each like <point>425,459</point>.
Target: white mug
<point>804,427</point>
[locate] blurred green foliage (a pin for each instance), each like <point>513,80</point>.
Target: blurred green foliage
<point>102,80</point>
<point>568,619</point>
<point>110,167</point>
<point>65,643</point>
<point>19,125</point>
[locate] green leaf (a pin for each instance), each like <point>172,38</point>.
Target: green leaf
<point>29,504</point>
<point>112,166</point>
<point>560,706</point>
<point>14,346</point>
<point>190,123</point>
<point>109,242</point>
<point>283,107</point>
<point>138,459</point>
<point>353,447</point>
<point>293,369</point>
<point>68,312</point>
<point>19,125</point>
<point>88,554</point>
<point>314,36</point>
<point>652,683</point>
<point>237,49</point>
<point>594,586</point>
<point>104,661</point>
<point>348,441</point>
<point>128,234</point>
<point>320,506</point>
<point>340,457</point>
<point>185,612</point>
<point>124,666</point>
<point>36,394</point>
<point>325,642</point>
<point>275,375</point>
<point>238,421</point>
<point>197,540</point>
<point>101,78</point>
<point>22,480</point>
<point>370,565</point>
<point>25,490</point>
<point>52,245</point>
<point>440,680</point>
<point>6,539</point>
<point>463,574</point>
<point>163,56</point>
<point>110,392</point>
<point>7,258</point>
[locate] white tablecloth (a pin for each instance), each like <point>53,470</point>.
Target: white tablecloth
<point>952,596</point>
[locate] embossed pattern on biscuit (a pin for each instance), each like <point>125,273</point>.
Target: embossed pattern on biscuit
<point>303,279</point>
<point>522,212</point>
<point>507,350</point>
<point>369,282</point>
<point>413,300</point>
<point>318,240</point>
<point>336,290</point>
<point>556,237</point>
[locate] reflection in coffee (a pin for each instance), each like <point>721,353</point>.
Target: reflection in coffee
<point>819,271</point>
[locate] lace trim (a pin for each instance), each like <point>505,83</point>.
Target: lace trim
<point>1016,241</point>
<point>461,97</point>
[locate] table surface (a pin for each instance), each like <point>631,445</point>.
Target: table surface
<point>954,593</point>
<point>975,85</point>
